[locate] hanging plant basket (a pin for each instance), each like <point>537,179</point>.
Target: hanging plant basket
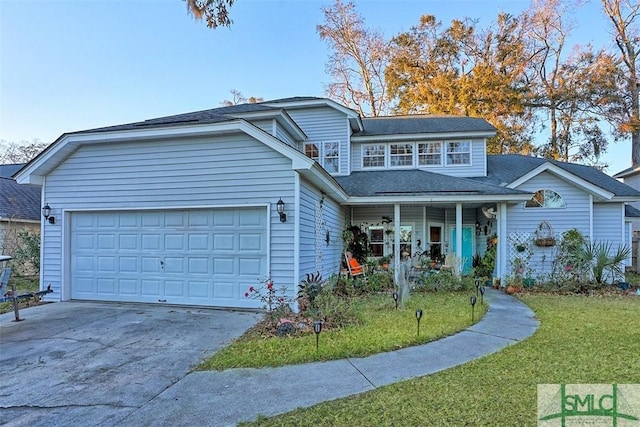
<point>544,235</point>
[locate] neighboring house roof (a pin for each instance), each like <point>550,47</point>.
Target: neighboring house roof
<point>631,212</point>
<point>7,171</point>
<point>416,182</point>
<point>507,168</point>
<point>633,170</point>
<point>421,124</point>
<point>19,202</point>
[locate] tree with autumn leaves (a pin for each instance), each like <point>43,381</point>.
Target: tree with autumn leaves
<point>518,73</point>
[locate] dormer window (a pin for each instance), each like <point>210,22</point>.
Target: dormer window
<point>458,153</point>
<point>401,155</point>
<point>430,154</point>
<point>373,156</point>
<point>546,199</point>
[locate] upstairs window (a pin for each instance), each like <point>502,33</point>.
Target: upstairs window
<point>401,155</point>
<point>458,153</point>
<point>373,156</point>
<point>430,154</point>
<point>546,199</point>
<point>331,157</point>
<point>325,153</point>
<point>313,151</point>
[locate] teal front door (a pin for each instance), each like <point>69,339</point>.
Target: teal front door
<point>467,246</point>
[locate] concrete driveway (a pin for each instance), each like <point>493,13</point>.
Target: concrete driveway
<point>85,363</point>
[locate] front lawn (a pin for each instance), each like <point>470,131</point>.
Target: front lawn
<point>380,328</point>
<point>581,340</point>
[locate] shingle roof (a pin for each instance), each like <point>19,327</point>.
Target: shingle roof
<point>631,212</point>
<point>214,115</point>
<point>506,168</point>
<point>418,124</point>
<point>7,171</point>
<point>415,182</point>
<point>19,201</point>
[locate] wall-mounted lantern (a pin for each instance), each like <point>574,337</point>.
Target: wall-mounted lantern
<point>46,213</point>
<point>280,208</point>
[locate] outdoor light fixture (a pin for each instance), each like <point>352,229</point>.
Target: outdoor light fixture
<point>472,300</point>
<point>317,328</point>
<point>418,317</point>
<point>46,213</point>
<point>395,298</point>
<point>477,283</point>
<point>482,295</point>
<point>280,207</point>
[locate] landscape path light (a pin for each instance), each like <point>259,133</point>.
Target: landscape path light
<point>317,328</point>
<point>482,289</point>
<point>418,317</point>
<point>472,300</point>
<point>395,298</point>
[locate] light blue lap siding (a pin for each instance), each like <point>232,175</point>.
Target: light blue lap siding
<point>317,218</point>
<point>195,172</point>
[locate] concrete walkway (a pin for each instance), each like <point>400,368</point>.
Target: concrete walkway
<point>235,395</point>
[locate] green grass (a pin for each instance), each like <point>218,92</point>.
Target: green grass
<point>580,340</point>
<point>23,285</point>
<point>382,328</point>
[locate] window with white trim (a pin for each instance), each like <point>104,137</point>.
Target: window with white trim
<point>373,155</point>
<point>312,150</point>
<point>430,154</point>
<point>546,199</point>
<point>325,153</point>
<point>400,155</point>
<point>331,156</point>
<point>458,153</point>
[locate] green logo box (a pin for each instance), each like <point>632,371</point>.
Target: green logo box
<point>569,405</point>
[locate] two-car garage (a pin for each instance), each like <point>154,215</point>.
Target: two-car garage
<point>190,256</point>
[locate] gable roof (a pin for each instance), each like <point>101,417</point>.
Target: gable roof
<point>507,168</point>
<point>19,202</point>
<point>633,170</point>
<point>415,182</point>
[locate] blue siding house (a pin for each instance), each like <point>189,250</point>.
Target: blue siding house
<point>195,208</point>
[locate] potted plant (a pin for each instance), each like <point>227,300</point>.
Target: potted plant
<point>521,247</point>
<point>384,262</point>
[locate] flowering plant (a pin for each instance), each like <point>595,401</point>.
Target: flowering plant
<point>275,301</point>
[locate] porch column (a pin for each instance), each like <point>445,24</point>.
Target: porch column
<point>501,255</point>
<point>458,234</point>
<point>396,242</point>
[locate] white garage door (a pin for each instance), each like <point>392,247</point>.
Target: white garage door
<point>200,257</point>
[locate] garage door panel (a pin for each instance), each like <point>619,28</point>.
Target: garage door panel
<point>203,257</point>
<point>174,288</point>
<point>250,242</point>
<point>198,266</point>
<point>128,287</point>
<point>151,242</point>
<point>198,242</point>
<point>151,264</point>
<point>151,287</point>
<point>107,265</point>
<point>174,265</point>
<point>128,242</point>
<point>107,287</point>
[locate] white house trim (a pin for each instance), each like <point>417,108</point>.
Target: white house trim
<point>567,176</point>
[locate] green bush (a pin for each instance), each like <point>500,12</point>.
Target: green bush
<point>444,281</point>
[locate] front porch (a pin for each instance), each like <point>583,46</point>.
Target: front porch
<point>431,229</point>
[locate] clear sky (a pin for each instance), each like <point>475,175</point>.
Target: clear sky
<point>79,64</point>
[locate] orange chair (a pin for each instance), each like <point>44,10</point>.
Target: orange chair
<point>354,267</point>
